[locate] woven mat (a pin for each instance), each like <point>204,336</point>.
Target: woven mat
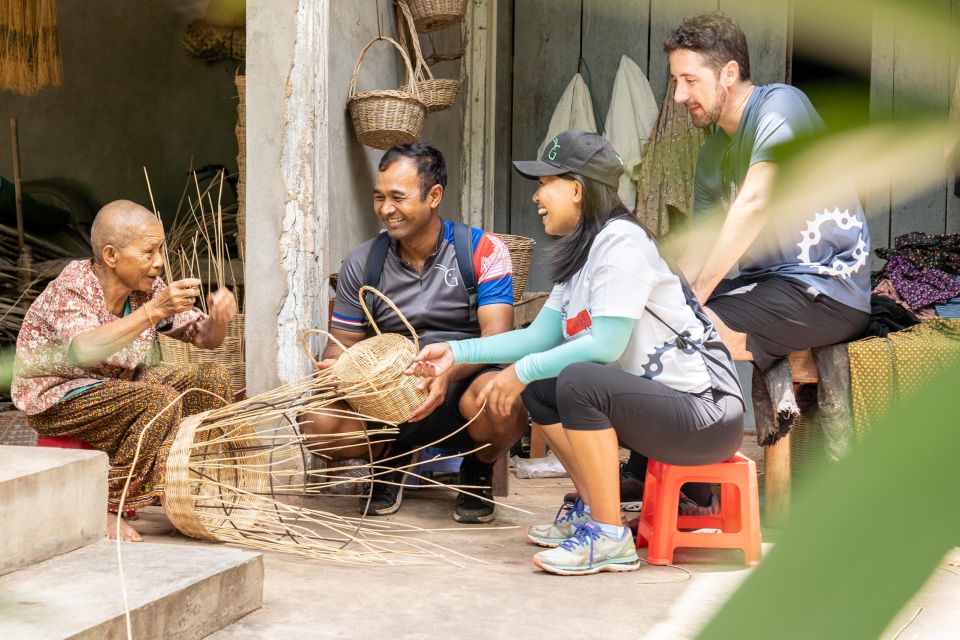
<point>13,428</point>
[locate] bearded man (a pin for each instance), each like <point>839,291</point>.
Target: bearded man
<point>804,276</point>
<point>81,367</point>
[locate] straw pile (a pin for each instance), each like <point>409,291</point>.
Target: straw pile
<point>29,46</point>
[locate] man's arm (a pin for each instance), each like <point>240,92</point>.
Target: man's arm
<point>348,338</point>
<point>741,227</point>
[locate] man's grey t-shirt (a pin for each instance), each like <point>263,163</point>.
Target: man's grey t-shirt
<point>827,249</point>
<point>435,302</point>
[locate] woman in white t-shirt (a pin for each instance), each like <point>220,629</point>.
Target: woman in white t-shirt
<point>621,352</point>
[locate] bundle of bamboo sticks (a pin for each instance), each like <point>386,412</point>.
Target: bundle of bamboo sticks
<point>29,46</point>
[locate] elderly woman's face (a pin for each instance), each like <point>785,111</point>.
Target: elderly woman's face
<point>141,260</point>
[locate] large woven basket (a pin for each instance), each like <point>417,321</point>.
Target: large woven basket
<point>376,367</point>
<point>230,354</point>
<point>431,15</point>
<point>437,93</point>
<point>201,509</point>
<point>387,117</point>
<point>521,253</point>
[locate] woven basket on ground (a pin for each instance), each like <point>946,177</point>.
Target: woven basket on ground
<point>386,117</point>
<point>209,507</point>
<point>437,93</point>
<point>230,354</point>
<point>431,15</point>
<point>521,254</point>
<point>377,365</point>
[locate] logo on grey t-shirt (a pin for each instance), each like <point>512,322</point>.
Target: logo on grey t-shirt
<point>449,275</point>
<point>839,225</point>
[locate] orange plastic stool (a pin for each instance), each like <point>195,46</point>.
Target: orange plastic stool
<point>660,526</point>
<point>62,442</point>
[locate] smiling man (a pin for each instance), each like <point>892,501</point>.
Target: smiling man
<point>445,296</point>
<point>81,368</point>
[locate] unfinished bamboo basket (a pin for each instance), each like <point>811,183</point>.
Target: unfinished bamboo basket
<point>230,354</point>
<point>437,94</point>
<point>376,366</point>
<point>228,495</point>
<point>521,254</point>
<point>386,117</point>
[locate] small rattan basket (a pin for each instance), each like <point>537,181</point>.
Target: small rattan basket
<point>376,366</point>
<point>521,253</point>
<point>230,354</point>
<point>437,93</point>
<point>431,15</point>
<point>386,117</point>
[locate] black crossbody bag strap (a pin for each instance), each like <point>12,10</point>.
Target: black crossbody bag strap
<point>374,266</point>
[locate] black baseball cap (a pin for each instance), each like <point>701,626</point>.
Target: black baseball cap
<point>577,151</point>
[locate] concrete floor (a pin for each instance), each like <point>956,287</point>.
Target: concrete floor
<point>504,595</point>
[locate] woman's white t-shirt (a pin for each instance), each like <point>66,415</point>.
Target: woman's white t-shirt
<point>625,276</point>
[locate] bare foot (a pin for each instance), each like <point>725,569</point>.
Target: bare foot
<point>127,532</point>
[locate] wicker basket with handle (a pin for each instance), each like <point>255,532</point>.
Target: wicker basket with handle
<point>386,117</point>
<point>230,354</point>
<point>431,15</point>
<point>437,93</point>
<point>374,368</point>
<point>521,254</point>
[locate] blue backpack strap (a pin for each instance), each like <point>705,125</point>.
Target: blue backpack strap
<point>374,266</point>
<point>463,244</point>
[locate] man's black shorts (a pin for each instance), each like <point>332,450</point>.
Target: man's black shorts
<point>781,315</point>
<point>444,419</point>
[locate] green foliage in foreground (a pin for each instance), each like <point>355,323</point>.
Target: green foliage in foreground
<point>864,535</point>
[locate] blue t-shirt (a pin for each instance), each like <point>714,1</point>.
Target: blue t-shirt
<point>827,249</point>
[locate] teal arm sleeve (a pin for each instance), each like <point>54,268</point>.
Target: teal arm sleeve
<point>605,343</point>
<point>542,334</point>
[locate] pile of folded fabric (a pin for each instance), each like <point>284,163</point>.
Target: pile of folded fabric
<point>922,274</point>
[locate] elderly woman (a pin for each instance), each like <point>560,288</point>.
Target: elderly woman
<point>81,367</point>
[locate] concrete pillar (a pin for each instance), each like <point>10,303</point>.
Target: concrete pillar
<point>287,195</point>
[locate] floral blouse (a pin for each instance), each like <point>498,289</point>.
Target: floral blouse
<point>72,305</point>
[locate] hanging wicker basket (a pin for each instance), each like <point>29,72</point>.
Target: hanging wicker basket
<point>431,15</point>
<point>521,254</point>
<point>437,93</point>
<point>376,366</point>
<point>230,354</point>
<point>387,117</point>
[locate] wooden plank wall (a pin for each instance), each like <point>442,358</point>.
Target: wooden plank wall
<point>914,68</point>
<point>548,35</point>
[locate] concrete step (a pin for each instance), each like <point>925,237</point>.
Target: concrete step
<point>51,501</point>
<point>175,591</point>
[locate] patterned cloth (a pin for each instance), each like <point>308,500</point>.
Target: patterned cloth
<point>927,251</point>
<point>886,289</point>
<point>885,370</point>
<point>111,417</point>
<point>921,287</point>
<point>71,305</point>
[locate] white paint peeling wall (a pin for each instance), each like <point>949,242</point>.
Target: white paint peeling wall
<point>303,236</point>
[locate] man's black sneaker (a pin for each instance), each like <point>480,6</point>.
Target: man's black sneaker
<point>478,476</point>
<point>387,489</point>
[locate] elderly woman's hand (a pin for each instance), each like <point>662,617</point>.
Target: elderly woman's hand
<point>177,297</point>
<point>222,306</point>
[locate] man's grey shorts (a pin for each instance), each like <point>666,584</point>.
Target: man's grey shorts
<point>781,315</point>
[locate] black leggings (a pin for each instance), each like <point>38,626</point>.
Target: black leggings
<point>649,417</point>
